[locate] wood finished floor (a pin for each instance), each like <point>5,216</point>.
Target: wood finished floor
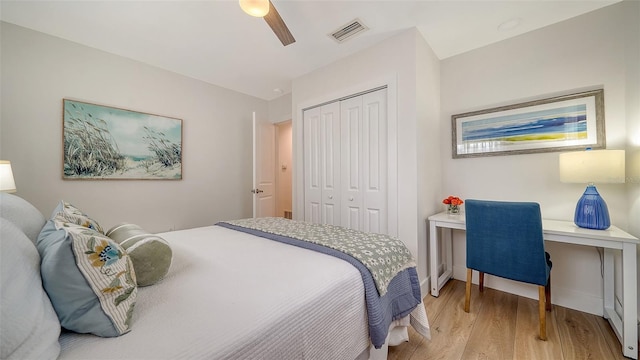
<point>505,326</point>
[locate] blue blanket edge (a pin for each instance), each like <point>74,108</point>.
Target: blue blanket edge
<point>403,293</point>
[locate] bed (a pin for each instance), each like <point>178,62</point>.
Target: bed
<point>228,294</point>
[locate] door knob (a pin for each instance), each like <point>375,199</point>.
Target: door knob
<point>351,198</point>
<point>330,196</point>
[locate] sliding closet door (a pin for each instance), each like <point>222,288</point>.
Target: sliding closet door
<point>363,135</point>
<point>312,159</point>
<point>374,162</point>
<point>351,170</point>
<point>322,164</point>
<point>330,133</point>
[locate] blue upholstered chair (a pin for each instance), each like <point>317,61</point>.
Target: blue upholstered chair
<point>505,239</point>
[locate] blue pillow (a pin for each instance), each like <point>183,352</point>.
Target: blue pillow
<point>29,328</point>
<point>88,277</point>
<point>22,214</point>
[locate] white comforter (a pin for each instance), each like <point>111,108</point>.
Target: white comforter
<point>231,295</point>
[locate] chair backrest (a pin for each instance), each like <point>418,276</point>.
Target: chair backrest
<point>505,239</point>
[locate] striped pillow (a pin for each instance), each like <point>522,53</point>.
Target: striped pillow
<point>88,277</point>
<point>150,254</point>
<point>65,212</point>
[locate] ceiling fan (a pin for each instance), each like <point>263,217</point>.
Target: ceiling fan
<point>266,10</point>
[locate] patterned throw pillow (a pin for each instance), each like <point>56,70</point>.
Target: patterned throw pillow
<point>88,277</point>
<point>150,254</point>
<point>68,213</point>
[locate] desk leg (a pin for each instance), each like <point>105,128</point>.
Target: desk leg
<point>449,255</point>
<point>438,281</point>
<point>433,258</point>
<point>630,299</point>
<point>608,283</point>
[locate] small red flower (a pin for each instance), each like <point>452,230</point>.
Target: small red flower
<point>453,200</point>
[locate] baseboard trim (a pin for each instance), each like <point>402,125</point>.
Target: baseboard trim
<point>559,296</point>
<point>425,286</point>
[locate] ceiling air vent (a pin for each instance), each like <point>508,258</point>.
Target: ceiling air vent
<point>345,32</point>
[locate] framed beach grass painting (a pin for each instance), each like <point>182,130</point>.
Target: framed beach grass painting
<point>568,122</point>
<point>102,142</point>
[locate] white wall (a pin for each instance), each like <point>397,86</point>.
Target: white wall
<point>280,109</point>
<point>632,58</point>
<point>397,62</point>
<point>581,53</point>
<point>429,160</point>
<point>39,70</point>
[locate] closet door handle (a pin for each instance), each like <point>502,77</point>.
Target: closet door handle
<point>330,196</point>
<point>351,198</point>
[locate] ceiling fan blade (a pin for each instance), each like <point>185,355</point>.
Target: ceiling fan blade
<point>278,26</point>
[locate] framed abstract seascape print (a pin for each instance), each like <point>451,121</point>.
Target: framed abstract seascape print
<point>102,142</point>
<point>568,122</point>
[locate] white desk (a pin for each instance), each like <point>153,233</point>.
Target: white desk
<point>611,240</point>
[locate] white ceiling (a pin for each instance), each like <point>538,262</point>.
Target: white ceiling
<point>216,42</point>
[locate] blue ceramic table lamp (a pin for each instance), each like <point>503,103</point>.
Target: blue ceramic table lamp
<point>590,167</point>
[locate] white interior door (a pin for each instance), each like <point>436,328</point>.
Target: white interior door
<point>351,162</point>
<point>264,164</point>
<point>346,163</point>
<point>312,166</point>
<point>322,164</point>
<point>322,159</point>
<point>374,162</point>
<point>330,137</point>
<point>364,162</point>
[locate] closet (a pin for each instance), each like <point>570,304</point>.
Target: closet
<point>346,162</point>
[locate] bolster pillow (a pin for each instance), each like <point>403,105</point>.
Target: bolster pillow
<point>150,254</point>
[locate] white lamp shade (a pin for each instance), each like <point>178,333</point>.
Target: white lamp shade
<point>592,166</point>
<point>7,184</point>
<point>633,175</point>
<point>257,8</point>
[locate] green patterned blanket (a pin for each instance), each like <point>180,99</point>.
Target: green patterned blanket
<point>383,255</point>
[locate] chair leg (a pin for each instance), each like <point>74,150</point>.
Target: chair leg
<point>541,312</point>
<point>467,295</point>
<point>548,294</point>
<point>481,281</point>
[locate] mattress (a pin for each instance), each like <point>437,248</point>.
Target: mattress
<point>231,295</point>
